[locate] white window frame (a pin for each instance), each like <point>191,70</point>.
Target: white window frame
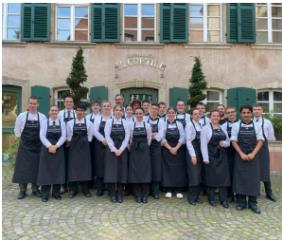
<point>221,96</point>
<point>139,22</point>
<point>5,22</point>
<point>270,100</point>
<point>269,18</point>
<point>205,21</point>
<point>72,21</point>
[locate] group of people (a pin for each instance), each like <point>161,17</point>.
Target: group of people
<point>144,148</point>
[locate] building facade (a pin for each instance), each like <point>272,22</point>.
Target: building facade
<point>143,51</point>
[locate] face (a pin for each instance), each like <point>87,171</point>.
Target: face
<point>146,106</point>
<point>53,112</point>
<point>139,115</point>
<point>215,117</point>
<point>129,111</point>
<point>119,100</point>
<point>154,111</point>
<point>196,115</point>
<point>246,115</point>
<point>171,115</point>
<point>202,109</point>
<point>257,111</point>
<point>33,104</point>
<point>231,114</point>
<point>162,109</point>
<point>118,112</point>
<point>68,103</point>
<point>221,110</point>
<point>136,105</point>
<point>180,107</point>
<point>106,108</point>
<point>95,108</point>
<point>80,113</point>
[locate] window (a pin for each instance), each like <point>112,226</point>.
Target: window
<point>139,22</point>
<point>72,23</point>
<point>11,21</point>
<point>271,102</point>
<point>269,22</point>
<point>205,23</point>
<point>214,97</point>
<point>60,95</point>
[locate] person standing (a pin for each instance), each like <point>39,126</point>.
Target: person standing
<point>214,141</point>
<point>204,120</point>
<point>79,134</point>
<point>119,100</point>
<point>247,139</point>
<point>221,110</point>
<point>100,147</point>
<point>268,135</point>
<point>140,173</point>
<point>194,156</point>
<point>52,160</point>
<point>181,115</point>
<point>162,111</point>
<point>174,175</point>
<point>146,105</point>
<point>117,134</point>
<point>27,128</point>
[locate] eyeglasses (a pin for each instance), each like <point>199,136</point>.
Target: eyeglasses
<point>230,112</point>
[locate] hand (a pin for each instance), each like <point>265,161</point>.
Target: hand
<point>153,135</point>
<point>105,142</point>
<point>244,156</point>
<point>173,151</point>
<point>251,156</point>
<point>194,160</point>
<point>206,161</point>
<point>118,152</point>
<point>52,149</point>
<point>221,143</point>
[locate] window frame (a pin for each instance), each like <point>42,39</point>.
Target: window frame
<point>72,22</point>
<point>270,101</point>
<point>139,23</point>
<point>221,96</point>
<point>5,15</point>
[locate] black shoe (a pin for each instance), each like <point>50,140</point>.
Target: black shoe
<point>156,196</point>
<point>113,199</point>
<point>271,197</point>
<point>120,199</point>
<point>225,204</point>
<point>99,193</point>
<point>57,196</point>
<point>88,195</point>
<point>138,199</point>
<point>22,195</point>
<point>44,199</point>
<point>192,202</point>
<point>144,199</point>
<point>36,193</point>
<point>212,203</point>
<point>72,194</point>
<point>255,208</point>
<point>240,207</point>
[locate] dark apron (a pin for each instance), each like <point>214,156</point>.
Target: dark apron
<point>231,152</point>
<point>92,148</point>
<point>182,120</point>
<point>174,166</point>
<point>195,171</point>
<point>156,155</point>
<point>79,165</point>
<point>217,171</point>
<point>264,158</point>
<point>52,166</point>
<point>246,175</point>
<point>139,157</point>
<point>116,168</point>
<point>100,149</point>
<point>28,156</point>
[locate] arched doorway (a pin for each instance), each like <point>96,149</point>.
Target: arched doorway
<point>141,94</point>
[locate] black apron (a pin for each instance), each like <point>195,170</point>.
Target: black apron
<point>195,171</point>
<point>79,165</point>
<point>182,120</point>
<point>231,152</point>
<point>246,175</point>
<point>217,171</point>
<point>174,172</point>
<point>28,156</point>
<point>139,157</point>
<point>52,166</point>
<point>116,168</point>
<point>156,154</point>
<point>100,149</point>
<point>92,148</point>
<point>264,158</point>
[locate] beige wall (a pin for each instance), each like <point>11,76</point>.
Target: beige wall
<point>224,65</point>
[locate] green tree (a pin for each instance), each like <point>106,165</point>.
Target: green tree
<point>77,77</point>
<point>197,83</point>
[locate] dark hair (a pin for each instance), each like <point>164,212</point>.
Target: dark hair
<point>170,108</point>
<point>139,108</point>
<point>258,105</point>
<point>246,107</point>
<point>221,105</point>
<point>230,107</point>
<point>211,112</point>
<point>201,104</point>
<point>34,98</point>
<point>81,105</point>
<point>192,110</point>
<point>146,101</point>
<point>69,96</point>
<point>116,106</point>
<point>179,100</point>
<point>118,95</point>
<point>162,103</point>
<point>96,102</point>
<point>155,104</point>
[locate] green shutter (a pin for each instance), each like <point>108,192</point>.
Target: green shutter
<point>176,94</point>
<point>165,23</point>
<point>35,22</point>
<point>99,93</point>
<point>232,18</point>
<point>43,94</point>
<point>105,22</point>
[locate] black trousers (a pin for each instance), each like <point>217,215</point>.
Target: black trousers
<point>45,190</point>
<point>241,200</point>
<point>155,187</point>
<point>23,187</point>
<point>173,189</point>
<point>267,187</point>
<point>84,186</point>
<point>194,193</point>
<point>222,193</point>
<point>141,189</point>
<point>100,185</point>
<point>116,189</point>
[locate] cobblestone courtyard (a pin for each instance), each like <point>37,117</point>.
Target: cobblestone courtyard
<point>97,218</point>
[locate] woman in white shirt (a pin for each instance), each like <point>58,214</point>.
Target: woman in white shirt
<point>52,160</point>
<point>214,141</point>
<point>117,134</point>
<point>139,157</point>
<point>194,156</point>
<point>174,175</point>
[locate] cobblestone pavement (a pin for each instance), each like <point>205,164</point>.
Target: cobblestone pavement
<point>97,218</point>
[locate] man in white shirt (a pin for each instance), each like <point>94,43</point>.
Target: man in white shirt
<point>268,134</point>
<point>27,128</point>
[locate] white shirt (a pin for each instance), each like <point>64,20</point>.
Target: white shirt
<point>21,119</point>
<point>70,125</point>
<point>267,128</point>
<point>64,113</point>
<point>108,129</point>
<point>43,132</point>
<point>96,126</point>
<point>230,124</point>
<point>141,124</point>
<point>180,129</point>
<point>190,134</point>
<point>206,135</point>
<point>236,127</point>
<point>204,121</point>
<point>185,116</point>
<point>92,116</point>
<point>160,134</point>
